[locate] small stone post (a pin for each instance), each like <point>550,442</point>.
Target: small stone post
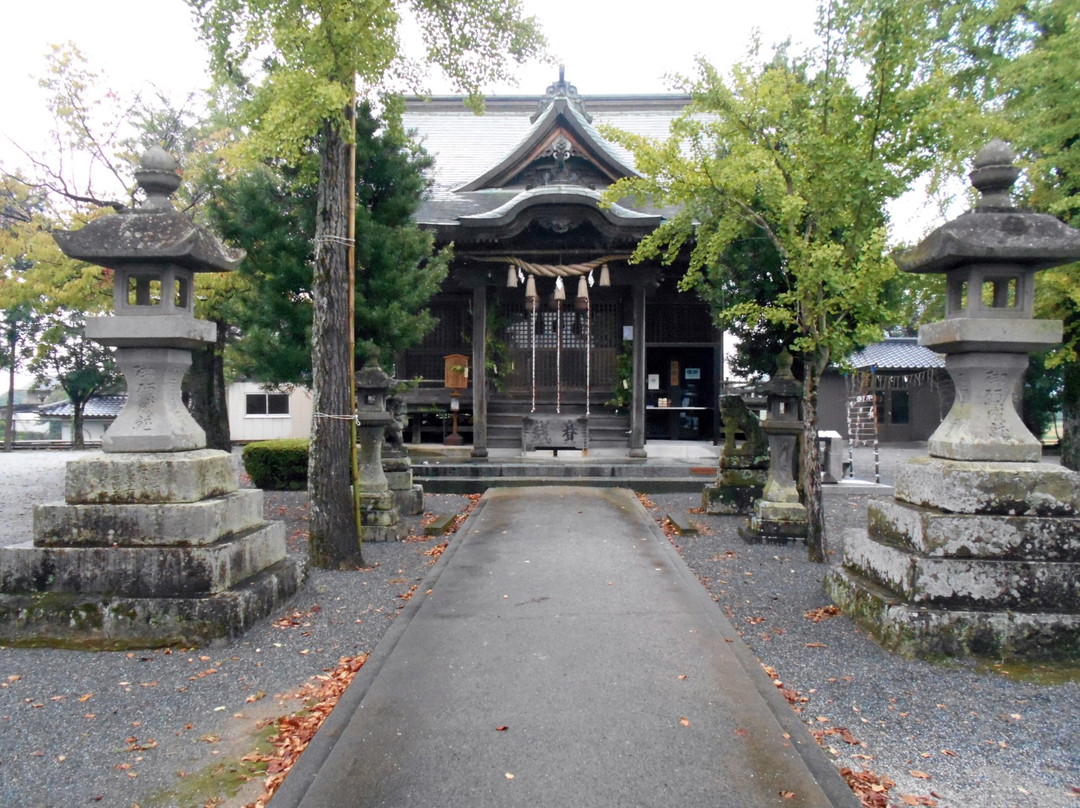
<point>976,554</point>
<point>396,463</point>
<point>379,517</point>
<point>779,515</point>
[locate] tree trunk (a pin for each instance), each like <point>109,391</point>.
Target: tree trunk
<point>9,410</point>
<point>206,388</point>
<point>1070,416</point>
<point>810,470</point>
<point>333,540</point>
<point>78,406</point>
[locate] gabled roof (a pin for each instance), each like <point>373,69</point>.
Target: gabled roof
<point>522,148</point>
<point>96,407</point>
<point>897,353</point>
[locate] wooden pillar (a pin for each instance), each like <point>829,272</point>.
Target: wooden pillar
<point>479,371</point>
<point>637,407</point>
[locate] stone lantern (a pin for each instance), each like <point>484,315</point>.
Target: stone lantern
<point>989,257</point>
<point>154,252</point>
<point>379,516</point>
<point>155,542</point>
<point>779,515</point>
<point>976,552</point>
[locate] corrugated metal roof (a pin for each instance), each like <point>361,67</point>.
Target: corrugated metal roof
<point>897,353</point>
<point>96,407</point>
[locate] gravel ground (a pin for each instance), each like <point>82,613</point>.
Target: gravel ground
<point>164,728</point>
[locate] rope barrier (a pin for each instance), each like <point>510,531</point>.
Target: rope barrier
<point>329,239</point>
<point>332,417</point>
<point>555,270</point>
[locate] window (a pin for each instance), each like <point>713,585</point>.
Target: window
<point>267,404</point>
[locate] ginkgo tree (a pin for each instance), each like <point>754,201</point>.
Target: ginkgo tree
<point>803,151</point>
<point>298,67</point>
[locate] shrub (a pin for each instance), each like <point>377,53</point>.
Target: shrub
<point>279,465</point>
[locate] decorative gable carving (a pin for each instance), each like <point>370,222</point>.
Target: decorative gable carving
<point>562,149</point>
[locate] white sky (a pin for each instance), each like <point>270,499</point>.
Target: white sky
<point>608,46</point>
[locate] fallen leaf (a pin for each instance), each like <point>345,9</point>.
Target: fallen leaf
<point>86,697</point>
<point>503,728</point>
<point>684,721</point>
<point>509,776</point>
<point>787,795</point>
<point>824,613</point>
<point>815,645</point>
<point>682,676</point>
<point>918,774</point>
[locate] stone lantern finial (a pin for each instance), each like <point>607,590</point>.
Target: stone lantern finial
<point>993,175</point>
<point>157,177</point>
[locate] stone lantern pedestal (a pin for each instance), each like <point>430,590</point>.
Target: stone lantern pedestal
<point>155,544</point>
<point>779,516</point>
<point>380,519</point>
<point>978,552</point>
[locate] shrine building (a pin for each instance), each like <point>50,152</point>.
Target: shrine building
<point>542,317</point>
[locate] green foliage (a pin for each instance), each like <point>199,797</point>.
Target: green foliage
<point>277,465</point>
<point>1042,395</point>
<point>271,214</point>
<point>294,65</point>
<point>397,272</point>
<point>272,218</point>
<point>623,394</point>
<point>787,164</point>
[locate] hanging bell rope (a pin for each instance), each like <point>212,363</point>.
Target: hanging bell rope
<point>560,296</point>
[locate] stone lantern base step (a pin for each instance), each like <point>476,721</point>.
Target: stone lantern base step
<point>156,571</point>
<point>103,622</point>
<point>984,584</point>
<point>717,498</point>
<point>776,522</point>
<point>934,633</point>
<point>192,523</point>
<point>151,477</point>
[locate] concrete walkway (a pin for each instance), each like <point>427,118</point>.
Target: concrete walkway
<point>563,656</point>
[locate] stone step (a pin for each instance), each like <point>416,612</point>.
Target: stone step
<point>940,534</point>
<point>965,583</point>
<point>570,468</point>
<point>194,523</point>
<point>646,484</point>
<point>151,572</point>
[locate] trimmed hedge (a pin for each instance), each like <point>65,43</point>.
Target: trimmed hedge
<point>277,465</point>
